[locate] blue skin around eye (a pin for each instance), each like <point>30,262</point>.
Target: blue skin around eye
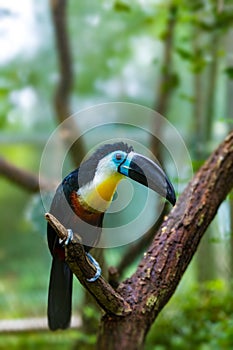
<point>124,169</point>
<point>123,155</point>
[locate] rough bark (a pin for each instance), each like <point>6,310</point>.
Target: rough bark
<point>131,309</point>
<point>159,272</point>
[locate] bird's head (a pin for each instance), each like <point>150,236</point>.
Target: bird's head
<point>101,173</point>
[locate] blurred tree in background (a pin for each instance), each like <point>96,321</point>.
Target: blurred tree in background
<point>173,56</point>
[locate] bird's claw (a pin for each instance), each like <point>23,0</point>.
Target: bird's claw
<point>97,266</point>
<point>90,257</point>
<point>68,239</point>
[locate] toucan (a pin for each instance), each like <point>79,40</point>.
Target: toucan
<point>80,203</point>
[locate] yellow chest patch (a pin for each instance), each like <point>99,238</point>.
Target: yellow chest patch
<point>107,187</point>
<point>98,195</point>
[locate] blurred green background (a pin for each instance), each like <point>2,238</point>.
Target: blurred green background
<point>172,56</point>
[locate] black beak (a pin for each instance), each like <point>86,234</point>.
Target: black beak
<point>149,174</point>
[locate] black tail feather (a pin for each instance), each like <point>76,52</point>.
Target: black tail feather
<point>60,295</point>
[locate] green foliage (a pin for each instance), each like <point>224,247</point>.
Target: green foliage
<point>22,251</point>
<point>110,42</point>
<point>197,163</point>
<point>229,72</point>
<point>42,341</point>
<point>184,53</point>
<point>121,6</point>
<point>201,319</point>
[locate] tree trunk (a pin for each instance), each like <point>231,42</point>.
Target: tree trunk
<point>131,309</point>
<point>158,274</point>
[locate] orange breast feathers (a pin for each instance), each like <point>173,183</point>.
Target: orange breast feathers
<point>84,212</point>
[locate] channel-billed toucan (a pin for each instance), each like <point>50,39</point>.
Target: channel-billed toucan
<point>80,203</point>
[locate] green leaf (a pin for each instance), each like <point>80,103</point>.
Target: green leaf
<point>229,72</point>
<point>188,98</point>
<point>185,54</point>
<point>226,120</point>
<point>121,7</point>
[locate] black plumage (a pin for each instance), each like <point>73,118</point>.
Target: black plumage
<point>88,226</point>
<point>79,204</point>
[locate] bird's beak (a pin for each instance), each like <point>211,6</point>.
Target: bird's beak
<point>149,174</point>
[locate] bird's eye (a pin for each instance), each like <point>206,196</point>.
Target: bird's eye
<point>118,156</point>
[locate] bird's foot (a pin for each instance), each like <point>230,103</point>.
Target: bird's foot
<point>90,257</point>
<point>66,241</point>
<point>97,266</point>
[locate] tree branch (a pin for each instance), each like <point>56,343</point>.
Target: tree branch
<point>160,270</point>
<point>76,258</point>
<point>64,87</point>
<point>70,134</point>
<point>179,236</point>
<point>166,82</point>
<point>22,178</point>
